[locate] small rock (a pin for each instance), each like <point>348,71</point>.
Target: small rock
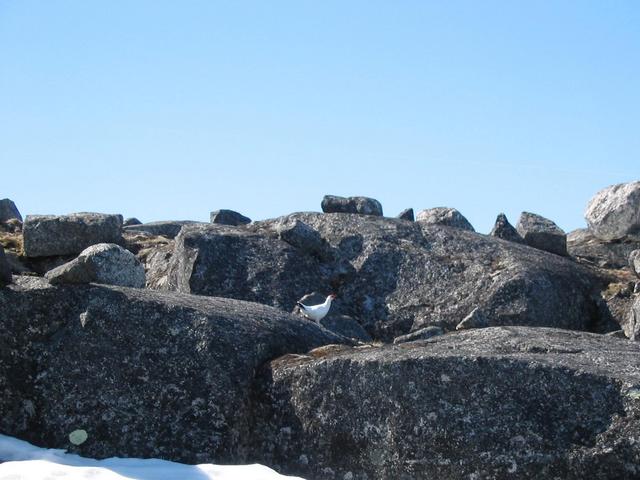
<point>444,216</point>
<point>634,262</point>
<point>542,233</point>
<point>8,210</point>
<point>476,319</point>
<point>360,205</point>
<point>168,229</point>
<point>421,334</point>
<point>5,269</point>
<point>229,217</point>
<point>503,229</point>
<point>50,235</point>
<point>612,213</point>
<point>346,326</point>
<point>131,221</point>
<point>104,263</point>
<point>406,214</point>
<point>300,235</point>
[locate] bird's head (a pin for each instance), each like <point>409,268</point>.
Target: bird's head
<point>333,296</point>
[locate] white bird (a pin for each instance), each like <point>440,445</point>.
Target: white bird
<point>317,312</point>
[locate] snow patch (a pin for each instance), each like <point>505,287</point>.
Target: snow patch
<point>24,461</point>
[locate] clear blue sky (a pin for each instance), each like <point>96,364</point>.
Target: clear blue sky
<point>170,109</point>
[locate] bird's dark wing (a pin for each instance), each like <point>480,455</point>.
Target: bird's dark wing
<point>301,305</point>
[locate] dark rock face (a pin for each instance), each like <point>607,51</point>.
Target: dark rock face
<point>360,205</point>
<point>504,230</point>
<point>50,235</point>
<point>8,210</point>
<point>5,269</point>
<point>614,212</point>
<point>509,402</point>
<point>229,217</point>
<point>131,221</point>
<point>421,334</point>
<point>388,274</point>
<point>444,216</point>
<point>169,229</point>
<point>105,263</point>
<point>146,374</point>
<point>541,233</point>
<point>583,245</point>
<point>634,262</point>
<point>406,214</point>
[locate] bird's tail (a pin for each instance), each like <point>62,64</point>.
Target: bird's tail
<point>301,305</point>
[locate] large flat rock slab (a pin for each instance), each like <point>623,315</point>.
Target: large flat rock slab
<point>499,403</point>
<point>391,275</point>
<point>51,235</point>
<point>144,373</point>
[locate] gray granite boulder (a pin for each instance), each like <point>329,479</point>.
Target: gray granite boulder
<point>360,205</point>
<point>585,246</point>
<point>105,263</point>
<point>5,269</point>
<point>614,212</point>
<point>494,403</point>
<point>407,214</point>
<point>229,217</point>
<point>166,228</point>
<point>634,262</point>
<point>504,230</point>
<point>449,217</point>
<point>541,233</point>
<point>146,374</point>
<point>388,274</point>
<point>51,235</point>
<point>8,210</point>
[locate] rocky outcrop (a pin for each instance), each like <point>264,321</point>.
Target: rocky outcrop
<point>509,402</point>
<point>541,233</point>
<point>9,211</point>
<point>144,373</point>
<point>105,263</point>
<point>406,214</point>
<point>51,235</point>
<point>389,274</point>
<point>169,229</point>
<point>614,212</point>
<point>444,216</point>
<point>634,262</point>
<point>504,230</point>
<point>585,246</point>
<point>421,334</point>
<point>5,269</point>
<point>360,205</point>
<point>229,217</point>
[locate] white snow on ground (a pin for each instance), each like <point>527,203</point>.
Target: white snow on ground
<point>24,461</point>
